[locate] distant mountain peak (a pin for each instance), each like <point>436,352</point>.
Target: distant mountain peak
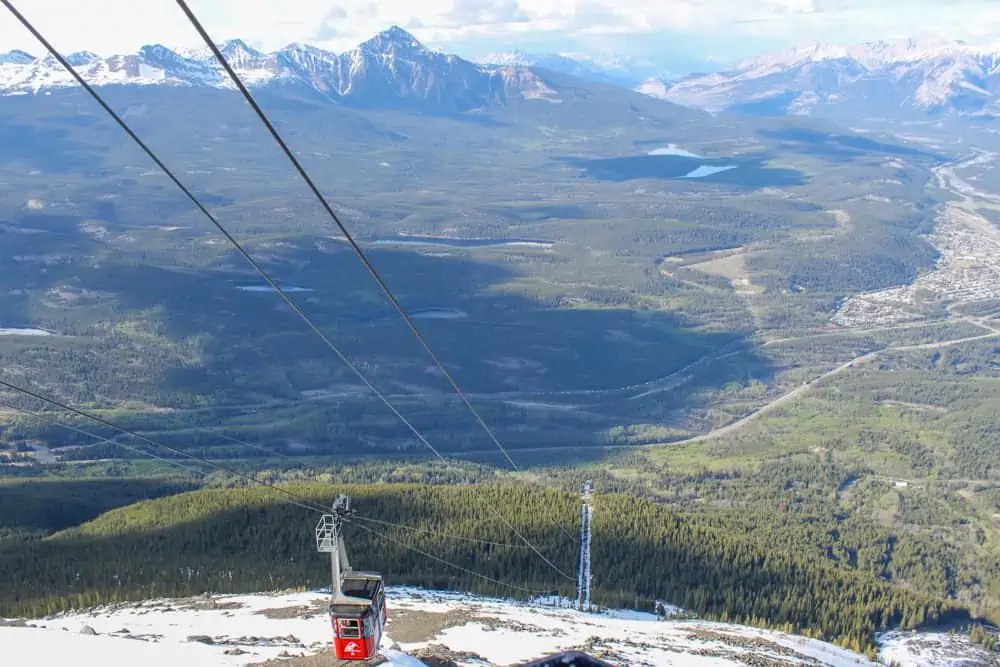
<point>396,33</point>
<point>238,47</point>
<point>609,68</point>
<point>16,57</point>
<point>392,40</point>
<point>303,48</point>
<point>655,86</point>
<point>891,79</point>
<point>872,55</point>
<point>157,51</point>
<point>82,58</point>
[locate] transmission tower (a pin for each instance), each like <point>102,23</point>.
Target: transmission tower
<point>584,578</point>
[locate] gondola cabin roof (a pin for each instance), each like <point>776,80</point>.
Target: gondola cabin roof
<point>348,610</point>
<point>355,574</point>
<point>361,585</point>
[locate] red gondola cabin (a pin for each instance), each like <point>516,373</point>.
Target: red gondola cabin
<point>359,616</point>
<point>357,599</point>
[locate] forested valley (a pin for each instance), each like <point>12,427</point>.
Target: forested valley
<point>238,539</point>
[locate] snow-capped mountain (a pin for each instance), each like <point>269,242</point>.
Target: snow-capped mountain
<point>390,69</point>
<point>16,57</point>
<point>912,77</point>
<point>615,69</point>
<point>654,87</point>
<point>431,626</point>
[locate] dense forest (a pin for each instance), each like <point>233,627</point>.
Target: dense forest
<point>925,538</point>
<point>241,539</point>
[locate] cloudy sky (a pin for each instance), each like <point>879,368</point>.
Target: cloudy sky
<point>680,34</point>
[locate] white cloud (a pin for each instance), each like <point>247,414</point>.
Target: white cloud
<point>107,26</point>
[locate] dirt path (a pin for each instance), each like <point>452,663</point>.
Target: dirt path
<point>790,396</point>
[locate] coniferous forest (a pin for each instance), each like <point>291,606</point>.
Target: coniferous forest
<point>246,539</point>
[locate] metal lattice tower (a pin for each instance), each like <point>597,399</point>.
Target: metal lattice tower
<point>584,578</point>
<point>330,539</point>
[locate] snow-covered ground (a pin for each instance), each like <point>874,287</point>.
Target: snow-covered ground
<point>238,630</point>
<point>934,649</point>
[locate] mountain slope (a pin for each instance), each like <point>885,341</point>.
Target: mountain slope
<point>910,78</point>
<point>391,69</point>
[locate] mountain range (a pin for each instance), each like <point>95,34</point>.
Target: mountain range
<point>907,79</point>
<point>903,80</point>
<point>619,70</point>
<point>390,69</point>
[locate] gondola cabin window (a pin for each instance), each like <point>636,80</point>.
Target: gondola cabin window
<point>348,628</point>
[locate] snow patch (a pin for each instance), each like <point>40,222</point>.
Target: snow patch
<point>236,630</point>
<point>655,87</point>
<point>707,170</point>
<point>673,149</point>
<point>933,649</point>
<point>401,659</point>
<point>24,332</point>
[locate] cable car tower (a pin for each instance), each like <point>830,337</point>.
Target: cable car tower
<point>357,599</point>
<point>584,578</point>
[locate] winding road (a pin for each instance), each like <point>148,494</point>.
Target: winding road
<point>947,178</point>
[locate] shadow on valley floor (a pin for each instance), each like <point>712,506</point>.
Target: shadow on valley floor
<point>45,506</point>
<point>772,105</point>
<point>841,147</point>
<point>194,340</point>
<point>46,148</point>
<point>739,171</point>
<point>38,251</point>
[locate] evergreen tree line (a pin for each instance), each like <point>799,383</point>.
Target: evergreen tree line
<point>240,539</point>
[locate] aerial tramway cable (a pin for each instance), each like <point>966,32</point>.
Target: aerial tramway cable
<point>256,265</point>
<point>260,448</point>
<point>173,462</point>
<point>196,471</point>
<point>289,496</point>
<point>450,564</point>
<point>336,219</point>
<point>436,532</point>
<point>170,174</point>
<point>203,429</point>
<point>196,23</point>
<point>317,508</point>
<point>68,427</point>
<point>178,464</point>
